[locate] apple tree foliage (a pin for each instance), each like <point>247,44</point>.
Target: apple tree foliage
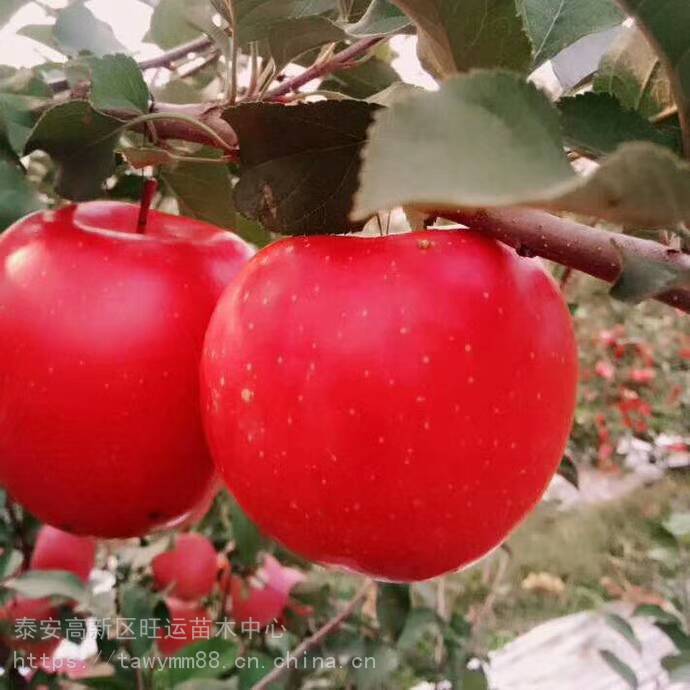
<point>220,120</point>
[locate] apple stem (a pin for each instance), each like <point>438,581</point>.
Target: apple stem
<point>150,189</point>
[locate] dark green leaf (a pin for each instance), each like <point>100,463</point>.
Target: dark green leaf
<point>474,680</point>
<point>554,24</point>
<point>256,17</point>
<point>676,634</point>
<point>632,72</point>
<point>17,196</point>
<point>620,668</point>
<point>17,119</point>
<point>77,30</point>
<point>382,18</point>
<point>363,81</point>
<point>458,35</point>
<point>677,667</point>
<point>568,470</point>
<point>248,539</point>
<point>10,562</point>
<point>219,659</point>
<point>665,22</point>
<point>82,142</point>
<point>300,164</point>
<point>291,38</point>
<point>36,584</point>
<point>138,604</point>
<point>624,629</point>
<point>117,84</point>
<point>393,604</point>
<point>643,278</point>
<point>596,124</point>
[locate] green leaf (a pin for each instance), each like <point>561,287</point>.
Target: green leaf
<point>474,680</point>
<point>393,604</point>
<point>661,21</point>
<point>568,470</point>
<point>118,84</point>
<point>299,163</point>
<point>78,30</point>
<point>596,124</point>
<point>42,33</point>
<point>620,668</point>
<point>248,538</point>
<point>643,278</point>
<point>219,655</point>
<point>255,18</point>
<point>138,604</point>
<point>289,39</point>
<point>10,562</point>
<point>678,524</point>
<point>508,151</point>
<point>418,623</point>
<point>677,667</point>
<point>175,22</point>
<point>459,35</point>
<point>554,24</point>
<point>624,629</point>
<point>36,584</point>
<point>17,196</point>
<point>632,72</point>
<point>82,142</point>
<point>657,613</point>
<point>256,667</point>
<point>382,18</point>
<point>364,80</point>
<point>208,685</point>
<point>17,119</point>
<point>383,661</point>
<point>676,634</point>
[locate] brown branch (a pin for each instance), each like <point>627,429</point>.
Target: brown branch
<point>572,244</point>
<point>163,60</point>
<point>338,61</point>
<point>317,638</point>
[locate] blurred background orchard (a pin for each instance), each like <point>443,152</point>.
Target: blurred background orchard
<point>593,590</point>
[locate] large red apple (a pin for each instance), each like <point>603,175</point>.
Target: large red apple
<point>189,570</point>
<point>392,405</point>
<point>58,550</point>
<point>101,330</point>
<point>31,625</point>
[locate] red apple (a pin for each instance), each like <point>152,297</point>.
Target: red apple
<point>58,550</point>
<point>29,625</point>
<point>189,569</point>
<point>263,599</point>
<point>189,623</point>
<point>392,405</point>
<point>100,337</point>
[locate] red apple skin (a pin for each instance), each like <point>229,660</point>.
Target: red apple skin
<point>394,405</point>
<point>190,623</point>
<point>100,337</point>
<point>265,601</point>
<point>35,611</point>
<point>58,550</point>
<point>191,568</point>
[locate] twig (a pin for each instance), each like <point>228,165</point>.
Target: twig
<point>163,60</point>
<point>17,529</point>
<point>578,246</point>
<point>338,61</point>
<point>319,636</point>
